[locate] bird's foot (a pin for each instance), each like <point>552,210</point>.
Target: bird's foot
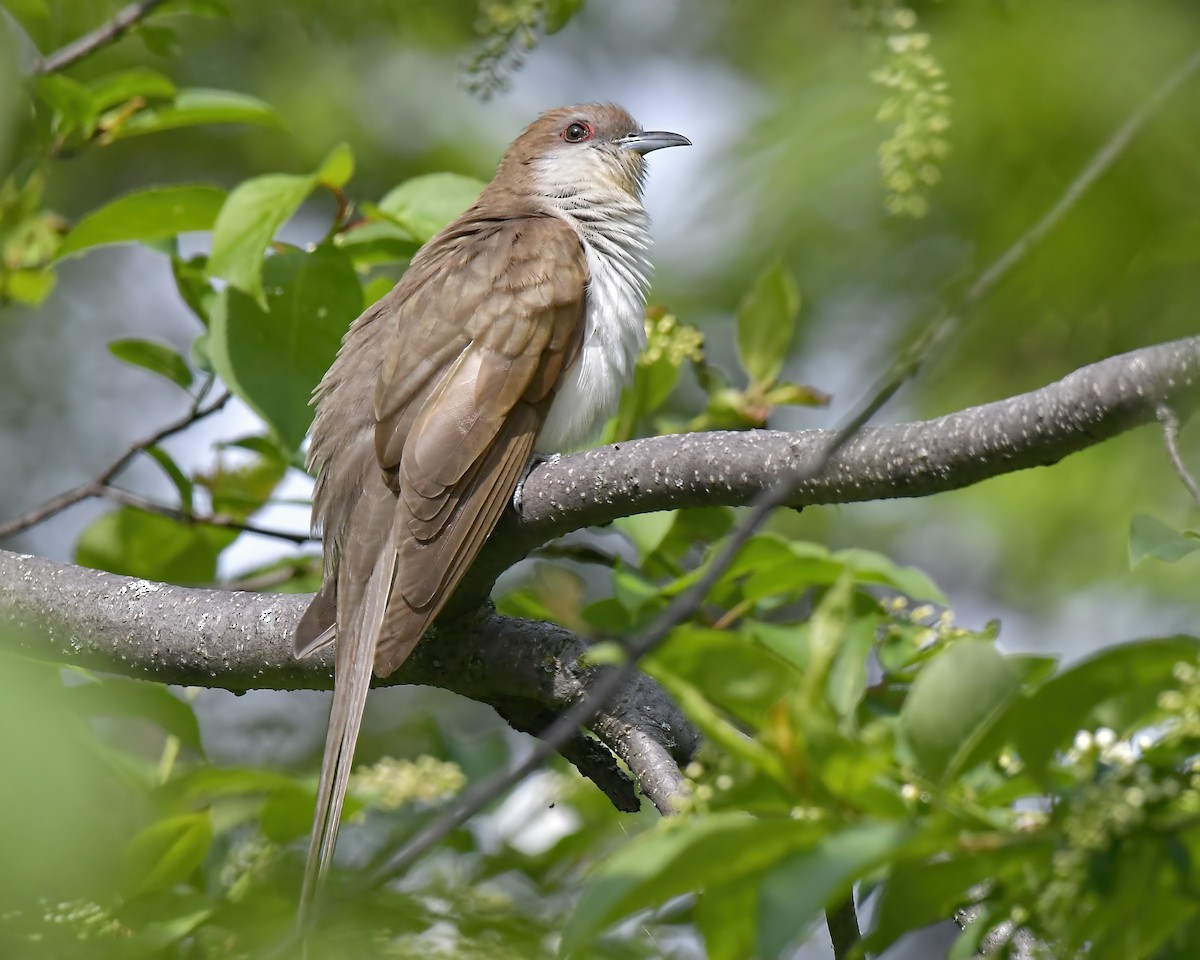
<point>534,462</point>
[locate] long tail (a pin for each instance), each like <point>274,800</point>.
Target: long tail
<point>356,639</point>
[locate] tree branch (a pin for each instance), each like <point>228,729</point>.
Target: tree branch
<point>1093,404</point>
<point>218,638</point>
<point>102,36</point>
<point>528,670</point>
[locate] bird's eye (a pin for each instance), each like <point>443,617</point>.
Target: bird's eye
<point>577,132</point>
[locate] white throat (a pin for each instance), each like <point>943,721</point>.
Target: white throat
<point>616,238</point>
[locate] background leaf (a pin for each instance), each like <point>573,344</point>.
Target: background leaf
<point>158,213</point>
<point>195,107</point>
<point>685,856</point>
<point>425,204</point>
<point>125,697</point>
<point>953,702</point>
<point>795,891</point>
<point>155,357</point>
<point>140,544</point>
<point>1149,537</point>
<point>766,322</point>
<point>1114,688</point>
<point>273,358</point>
<point>167,852</point>
<point>248,222</point>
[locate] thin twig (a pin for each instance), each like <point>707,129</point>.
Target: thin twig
<point>95,487</point>
<point>89,43</point>
<point>127,499</point>
<point>1170,427</point>
<point>686,603</point>
<point>844,933</point>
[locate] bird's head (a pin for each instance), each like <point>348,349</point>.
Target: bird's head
<point>586,149</point>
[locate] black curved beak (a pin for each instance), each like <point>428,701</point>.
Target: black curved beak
<point>650,140</point>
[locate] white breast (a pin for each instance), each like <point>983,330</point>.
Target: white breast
<point>617,245</point>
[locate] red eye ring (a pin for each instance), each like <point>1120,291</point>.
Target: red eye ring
<point>578,131</point>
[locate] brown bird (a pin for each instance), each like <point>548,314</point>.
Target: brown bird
<point>512,332</point>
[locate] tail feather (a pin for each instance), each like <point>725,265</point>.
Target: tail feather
<point>352,679</point>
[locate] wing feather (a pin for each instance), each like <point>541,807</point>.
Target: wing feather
<point>458,457</point>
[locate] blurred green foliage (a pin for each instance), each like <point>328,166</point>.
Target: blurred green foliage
<point>854,733</point>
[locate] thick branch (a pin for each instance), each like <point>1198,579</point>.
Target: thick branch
<point>1093,404</point>
<point>528,670</point>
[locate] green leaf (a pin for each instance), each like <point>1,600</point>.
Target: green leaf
<point>158,213</point>
<point>647,530</point>
<point>795,891</point>
<point>677,858</point>
<point>125,697</point>
<point>208,784</point>
<point>337,168</point>
<point>196,107</point>
<point>240,491</point>
<point>30,287</point>
<point>871,567</point>
<point>714,726</point>
<point>1149,537</point>
<point>272,359</point>
<point>955,700</point>
<point>140,544</point>
<point>287,814</point>
<point>847,680</point>
<point>65,813</point>
<point>425,204</point>
<point>183,485</point>
<point>725,916</point>
<point>161,919</point>
<point>1117,688</point>
<point>732,671</point>
<point>374,242</point>
<point>922,892</point>
<point>766,322</point>
<point>116,88</point>
<point>160,40</point>
<point>247,224</point>
<point>556,14</point>
<point>193,285</point>
<point>796,395</point>
<point>72,103</point>
<point>168,852</point>
<point>155,357</point>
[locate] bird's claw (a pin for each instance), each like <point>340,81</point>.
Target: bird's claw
<point>534,462</point>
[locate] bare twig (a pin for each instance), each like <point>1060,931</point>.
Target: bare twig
<point>685,604</point>
<point>127,499</point>
<point>1170,426</point>
<point>95,487</point>
<point>102,36</point>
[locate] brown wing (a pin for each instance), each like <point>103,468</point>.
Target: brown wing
<point>457,415</point>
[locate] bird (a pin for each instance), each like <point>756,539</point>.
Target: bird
<point>510,336</point>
